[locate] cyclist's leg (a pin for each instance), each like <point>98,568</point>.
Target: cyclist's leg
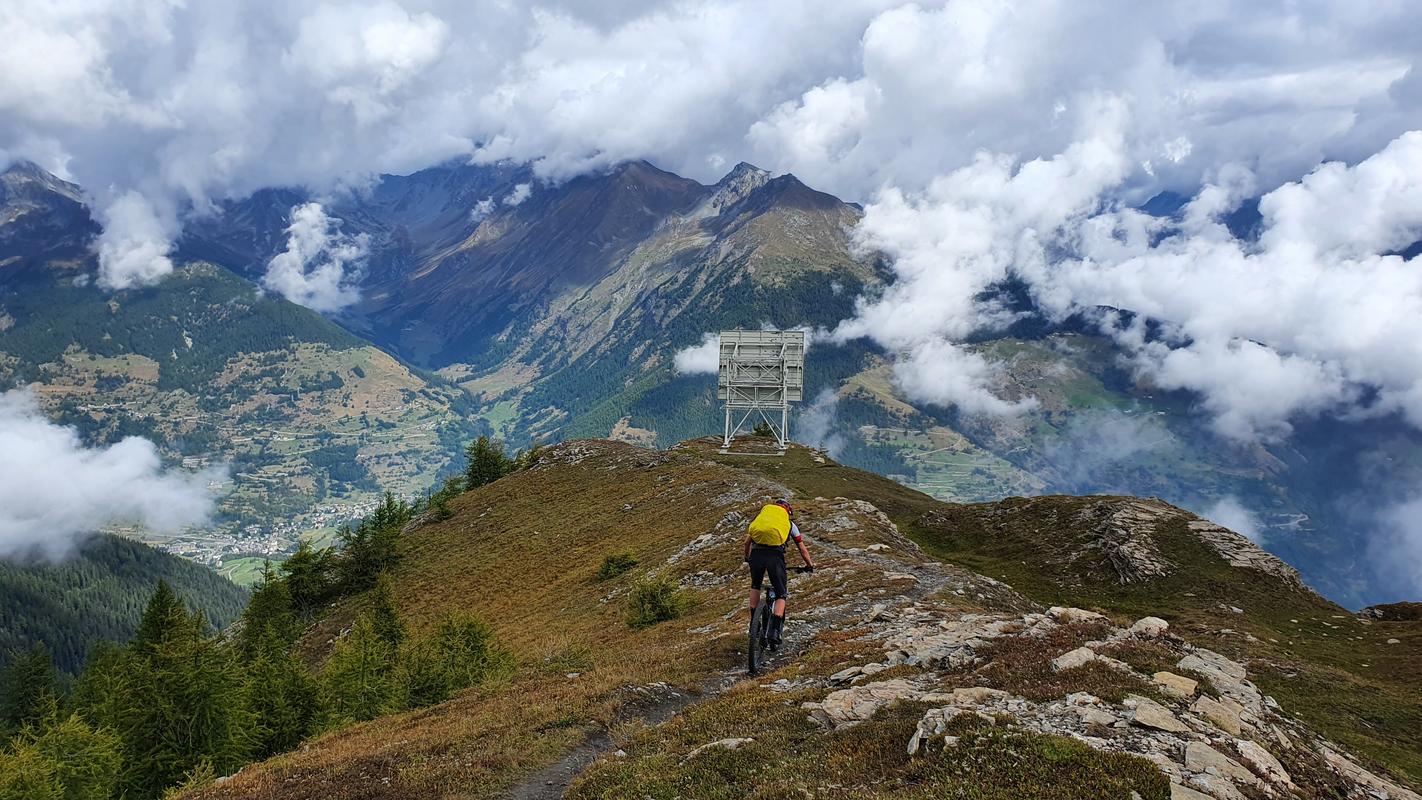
<point>778,581</point>
<point>757,569</point>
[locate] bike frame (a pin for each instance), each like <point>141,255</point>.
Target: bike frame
<point>760,624</point>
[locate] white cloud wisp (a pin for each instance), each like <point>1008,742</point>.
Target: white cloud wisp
<point>54,491</point>
<point>320,267</point>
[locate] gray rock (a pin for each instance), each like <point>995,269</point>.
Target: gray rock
<point>1181,792</point>
<point>1216,786</point>
<point>1176,685</point>
<point>1066,615</point>
<point>1224,715</point>
<point>1148,628</point>
<point>1263,763</point>
<point>1376,786</point>
<point>1079,657</point>
<point>1095,716</point>
<point>1200,757</point>
<point>1149,714</point>
<point>854,705</point>
<point>720,744</point>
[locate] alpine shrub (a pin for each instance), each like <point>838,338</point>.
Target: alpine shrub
<point>616,564</point>
<point>653,600</point>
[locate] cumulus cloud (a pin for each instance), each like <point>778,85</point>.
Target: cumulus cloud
<point>134,245</point>
<point>320,267</point>
<point>988,148</point>
<point>184,103</point>
<point>520,193</point>
<point>1318,316</point>
<point>938,371</point>
<point>700,359</point>
<point>1230,513</point>
<point>481,209</point>
<point>54,491</point>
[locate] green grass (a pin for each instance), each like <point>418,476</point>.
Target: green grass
<point>243,570</point>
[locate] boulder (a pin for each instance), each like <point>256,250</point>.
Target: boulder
<point>1224,716</point>
<point>1200,757</point>
<point>935,722</point>
<point>1095,716</point>
<point>1212,664</point>
<point>1263,763</point>
<point>1182,792</point>
<point>720,744</point>
<point>978,695</point>
<point>854,705</point>
<point>1215,786</point>
<point>1176,685</point>
<point>1227,676</point>
<point>1379,787</point>
<point>1148,628</point>
<point>1147,713</point>
<point>1067,616</point>
<point>1079,657</point>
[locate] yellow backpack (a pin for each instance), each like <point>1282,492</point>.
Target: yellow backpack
<point>771,527</point>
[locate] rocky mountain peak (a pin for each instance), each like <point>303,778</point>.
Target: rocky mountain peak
<point>31,181</point>
<point>739,183</point>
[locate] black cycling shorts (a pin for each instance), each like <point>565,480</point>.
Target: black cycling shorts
<point>768,560</point>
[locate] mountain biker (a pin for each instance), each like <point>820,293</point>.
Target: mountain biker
<point>764,550</point>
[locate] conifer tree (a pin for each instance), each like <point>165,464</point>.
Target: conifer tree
<point>174,698</point>
<point>360,681</point>
<point>369,548</point>
<point>269,611</point>
<point>26,774</point>
<point>28,690</point>
<point>307,578</point>
<point>163,617</point>
<point>85,761</point>
<point>281,696</point>
<point>486,462</point>
<point>383,616</point>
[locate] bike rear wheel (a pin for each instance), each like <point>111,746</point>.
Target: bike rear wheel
<point>755,652</point>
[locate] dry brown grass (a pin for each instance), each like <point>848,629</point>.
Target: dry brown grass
<point>531,575</point>
<point>1022,665</point>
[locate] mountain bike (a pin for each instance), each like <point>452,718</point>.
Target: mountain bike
<point>760,626</point>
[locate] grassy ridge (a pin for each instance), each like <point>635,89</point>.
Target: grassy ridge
<point>525,553</point>
<point>1323,664</point>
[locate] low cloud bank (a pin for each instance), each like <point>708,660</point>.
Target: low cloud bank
<point>54,491</point>
<point>1319,316</point>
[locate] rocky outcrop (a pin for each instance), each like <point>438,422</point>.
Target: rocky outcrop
<point>1240,552</point>
<point>1225,747</point>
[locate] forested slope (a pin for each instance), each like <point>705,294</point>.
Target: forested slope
<point>99,594</point>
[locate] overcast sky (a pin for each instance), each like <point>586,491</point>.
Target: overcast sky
<point>986,139</point>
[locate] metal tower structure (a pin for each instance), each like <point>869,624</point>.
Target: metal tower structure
<point>761,373</point>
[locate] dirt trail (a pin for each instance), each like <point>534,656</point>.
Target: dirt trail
<point>930,577</point>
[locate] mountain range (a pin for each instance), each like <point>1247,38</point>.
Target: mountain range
<point>491,301</point>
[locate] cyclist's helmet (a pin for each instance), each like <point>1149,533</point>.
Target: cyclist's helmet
<point>785,505</point>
